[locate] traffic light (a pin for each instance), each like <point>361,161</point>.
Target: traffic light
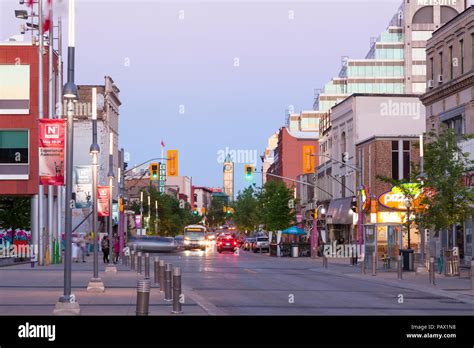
<point>345,157</point>
<point>249,172</point>
<point>195,212</point>
<point>172,168</point>
<point>154,168</point>
<point>308,159</point>
<point>203,211</point>
<point>354,204</point>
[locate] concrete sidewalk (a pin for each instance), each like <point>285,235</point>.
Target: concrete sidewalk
<point>35,291</point>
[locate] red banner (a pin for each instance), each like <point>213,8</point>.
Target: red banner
<point>103,200</point>
<point>51,151</point>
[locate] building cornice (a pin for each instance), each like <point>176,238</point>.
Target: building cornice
<point>445,90</point>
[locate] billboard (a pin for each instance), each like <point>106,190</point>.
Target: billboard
<point>103,193</point>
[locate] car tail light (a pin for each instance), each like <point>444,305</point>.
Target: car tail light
<point>235,243</point>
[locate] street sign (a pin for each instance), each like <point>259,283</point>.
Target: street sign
<point>162,179</point>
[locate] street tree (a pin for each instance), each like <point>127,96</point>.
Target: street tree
<point>246,216</point>
<point>276,205</point>
<point>447,198</point>
<point>15,213</point>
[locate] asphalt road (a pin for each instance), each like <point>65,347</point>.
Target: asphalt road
<point>248,284</point>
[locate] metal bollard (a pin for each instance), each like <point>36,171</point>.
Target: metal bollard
<point>432,271</point>
<point>374,263</point>
<point>156,268</point>
<point>161,275</point>
<point>147,265</point>
<point>176,291</point>
<point>399,267</point>
<point>132,259</point>
<point>139,262</point>
<point>362,265</point>
<point>143,296</point>
<point>325,261</point>
<point>168,285</point>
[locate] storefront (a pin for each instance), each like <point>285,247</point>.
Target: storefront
<point>340,221</point>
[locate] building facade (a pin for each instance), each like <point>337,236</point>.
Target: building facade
<point>449,102</point>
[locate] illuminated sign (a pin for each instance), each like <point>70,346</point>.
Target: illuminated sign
<point>437,2</point>
<point>396,198</point>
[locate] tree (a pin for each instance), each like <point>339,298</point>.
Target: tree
<point>447,199</point>
<point>246,215</point>
<point>216,215</point>
<point>276,204</point>
<point>15,213</point>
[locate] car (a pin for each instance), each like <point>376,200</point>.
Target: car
<point>247,245</point>
<point>152,244</point>
<point>179,241</point>
<point>260,244</point>
<point>227,243</point>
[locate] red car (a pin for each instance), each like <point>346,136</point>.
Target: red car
<point>228,243</point>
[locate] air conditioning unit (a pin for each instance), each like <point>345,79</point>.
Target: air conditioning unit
<point>440,78</point>
<point>430,84</point>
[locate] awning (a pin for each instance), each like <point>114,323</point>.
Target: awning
<point>339,212</point>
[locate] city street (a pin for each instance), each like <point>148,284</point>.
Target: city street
<point>244,284</point>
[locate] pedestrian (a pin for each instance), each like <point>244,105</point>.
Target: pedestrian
<point>116,248</point>
<point>105,248</point>
<point>82,245</point>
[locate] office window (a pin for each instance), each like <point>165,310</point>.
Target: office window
<point>418,54</point>
<point>457,124</point>
<point>431,68</point>
<point>343,186</point>
<point>14,155</point>
<point>420,35</point>
<point>419,70</point>
<point>461,44</point>
<point>441,63</point>
<point>395,160</point>
<point>451,64</point>
<point>14,89</point>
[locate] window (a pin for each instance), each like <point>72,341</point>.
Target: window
<point>401,159</point>
<point>419,70</point>
<point>343,145</point>
<point>395,163</point>
<point>431,68</point>
<point>457,124</point>
<point>447,13</point>
<point>406,159</point>
<point>451,65</point>
<point>461,44</point>
<point>343,186</point>
<point>418,54</point>
<point>441,63</point>
<point>420,35</point>
<point>14,154</point>
<point>14,89</point>
<point>424,15</point>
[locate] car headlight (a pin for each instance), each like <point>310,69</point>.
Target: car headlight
<point>186,241</point>
<point>202,242</point>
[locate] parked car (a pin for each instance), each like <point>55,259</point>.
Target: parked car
<point>228,243</point>
<point>247,245</point>
<point>261,244</point>
<point>153,244</point>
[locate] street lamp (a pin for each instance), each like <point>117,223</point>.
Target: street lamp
<point>141,212</point>
<point>95,284</point>
<point>408,205</point>
<point>149,210</point>
<point>156,217</point>
<point>67,303</point>
<point>110,266</point>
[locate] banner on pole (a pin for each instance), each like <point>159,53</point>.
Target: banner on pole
<point>82,178</point>
<point>51,151</point>
<point>103,200</point>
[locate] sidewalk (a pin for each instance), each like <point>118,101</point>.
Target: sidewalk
<point>452,287</point>
<point>35,291</point>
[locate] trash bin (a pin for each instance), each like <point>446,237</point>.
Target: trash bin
<point>408,259</point>
<point>451,263</point>
<point>294,251</point>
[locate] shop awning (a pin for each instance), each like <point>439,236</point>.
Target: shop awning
<point>339,211</point>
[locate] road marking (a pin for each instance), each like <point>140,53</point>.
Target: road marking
<point>209,307</point>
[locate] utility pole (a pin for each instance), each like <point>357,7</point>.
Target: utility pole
<point>59,110</point>
<point>110,266</point>
<point>156,217</point>
<point>149,210</point>
<point>95,284</point>
<point>40,116</point>
<point>67,303</point>
<point>141,211</point>
<point>50,115</point>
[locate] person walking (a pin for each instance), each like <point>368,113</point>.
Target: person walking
<point>116,243</point>
<point>82,246</point>
<point>105,248</point>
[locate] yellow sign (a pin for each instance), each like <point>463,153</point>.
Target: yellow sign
<point>308,159</point>
<point>396,198</point>
<point>172,167</point>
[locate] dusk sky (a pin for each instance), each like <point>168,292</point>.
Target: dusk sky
<point>172,56</point>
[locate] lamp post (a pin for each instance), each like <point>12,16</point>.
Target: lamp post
<point>110,266</point>
<point>408,204</point>
<point>141,211</point>
<point>149,211</point>
<point>67,303</point>
<point>95,284</point>
<point>156,217</point>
